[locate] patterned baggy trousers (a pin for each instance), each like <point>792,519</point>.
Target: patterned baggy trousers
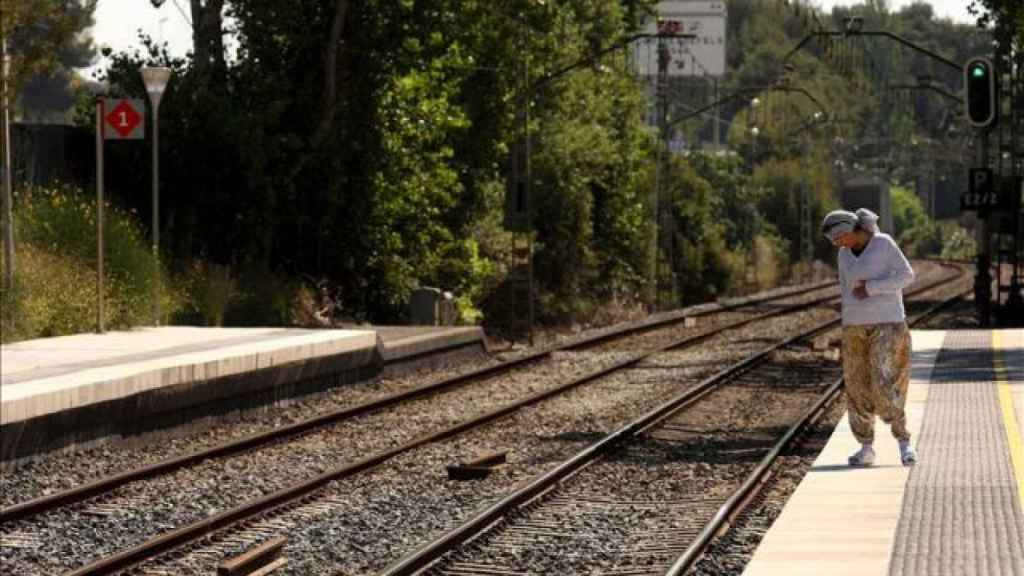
<point>876,369</point>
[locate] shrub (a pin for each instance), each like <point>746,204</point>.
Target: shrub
<point>305,308</point>
<point>694,242</point>
<point>55,229</point>
<point>54,294</point>
<point>62,219</point>
<point>15,323</point>
<point>768,259</point>
<point>212,294</point>
<point>464,272</point>
<point>263,298</point>
<point>204,293</point>
<point>957,242</point>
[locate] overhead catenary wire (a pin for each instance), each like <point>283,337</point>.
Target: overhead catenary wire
<point>184,16</point>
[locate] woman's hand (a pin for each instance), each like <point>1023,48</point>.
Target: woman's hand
<point>861,291</point>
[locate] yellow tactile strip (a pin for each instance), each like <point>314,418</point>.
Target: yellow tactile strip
<point>1009,364</point>
<point>960,510</point>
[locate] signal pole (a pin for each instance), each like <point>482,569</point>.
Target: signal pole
<point>664,57</point>
<point>806,243</point>
<point>527,178</point>
<point>981,106</point>
<point>983,278</point>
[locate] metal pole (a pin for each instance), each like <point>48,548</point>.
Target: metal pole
<point>660,104</point>
<point>100,327</point>
<point>652,275</point>
<point>932,188</point>
<point>6,215</point>
<point>529,176</point>
<point>805,212</point>
<point>717,138</point>
<point>983,279</point>
<point>156,212</point>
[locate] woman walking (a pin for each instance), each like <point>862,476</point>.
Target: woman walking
<point>876,341</point>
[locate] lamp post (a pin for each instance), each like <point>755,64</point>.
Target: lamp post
<point>155,79</point>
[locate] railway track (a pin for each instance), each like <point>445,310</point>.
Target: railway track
<point>649,498</point>
<point>298,500</point>
<point>761,308</point>
<point>108,504</point>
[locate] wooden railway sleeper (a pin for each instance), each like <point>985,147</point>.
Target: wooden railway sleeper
<point>254,559</point>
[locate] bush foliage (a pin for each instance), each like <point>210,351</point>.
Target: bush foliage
<point>353,151</point>
<point>56,284</point>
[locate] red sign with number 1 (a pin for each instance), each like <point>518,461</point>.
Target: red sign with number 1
<point>123,119</point>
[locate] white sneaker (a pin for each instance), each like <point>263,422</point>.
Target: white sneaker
<point>907,455</point>
<point>863,457</point>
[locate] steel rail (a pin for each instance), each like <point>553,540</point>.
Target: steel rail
<point>429,553</point>
<point>759,476</point>
<point>432,551</point>
<point>645,326</point>
<point>286,496</point>
<point>744,494</point>
<point>56,500</point>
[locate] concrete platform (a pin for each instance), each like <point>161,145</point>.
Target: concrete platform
<point>74,390</point>
<point>402,344</point>
<point>960,511</point>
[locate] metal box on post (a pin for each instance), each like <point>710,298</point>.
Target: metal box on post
<point>423,306</point>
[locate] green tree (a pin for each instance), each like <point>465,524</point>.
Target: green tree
<point>366,143</point>
<point>44,37</point>
<point>389,177</point>
<point>694,244</point>
<point>1005,17</point>
<point>735,199</point>
<point>915,232</point>
<point>907,211</point>
<point>590,163</point>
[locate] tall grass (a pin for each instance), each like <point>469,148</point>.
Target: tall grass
<point>55,288</point>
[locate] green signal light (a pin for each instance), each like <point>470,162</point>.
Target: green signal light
<point>978,71</point>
